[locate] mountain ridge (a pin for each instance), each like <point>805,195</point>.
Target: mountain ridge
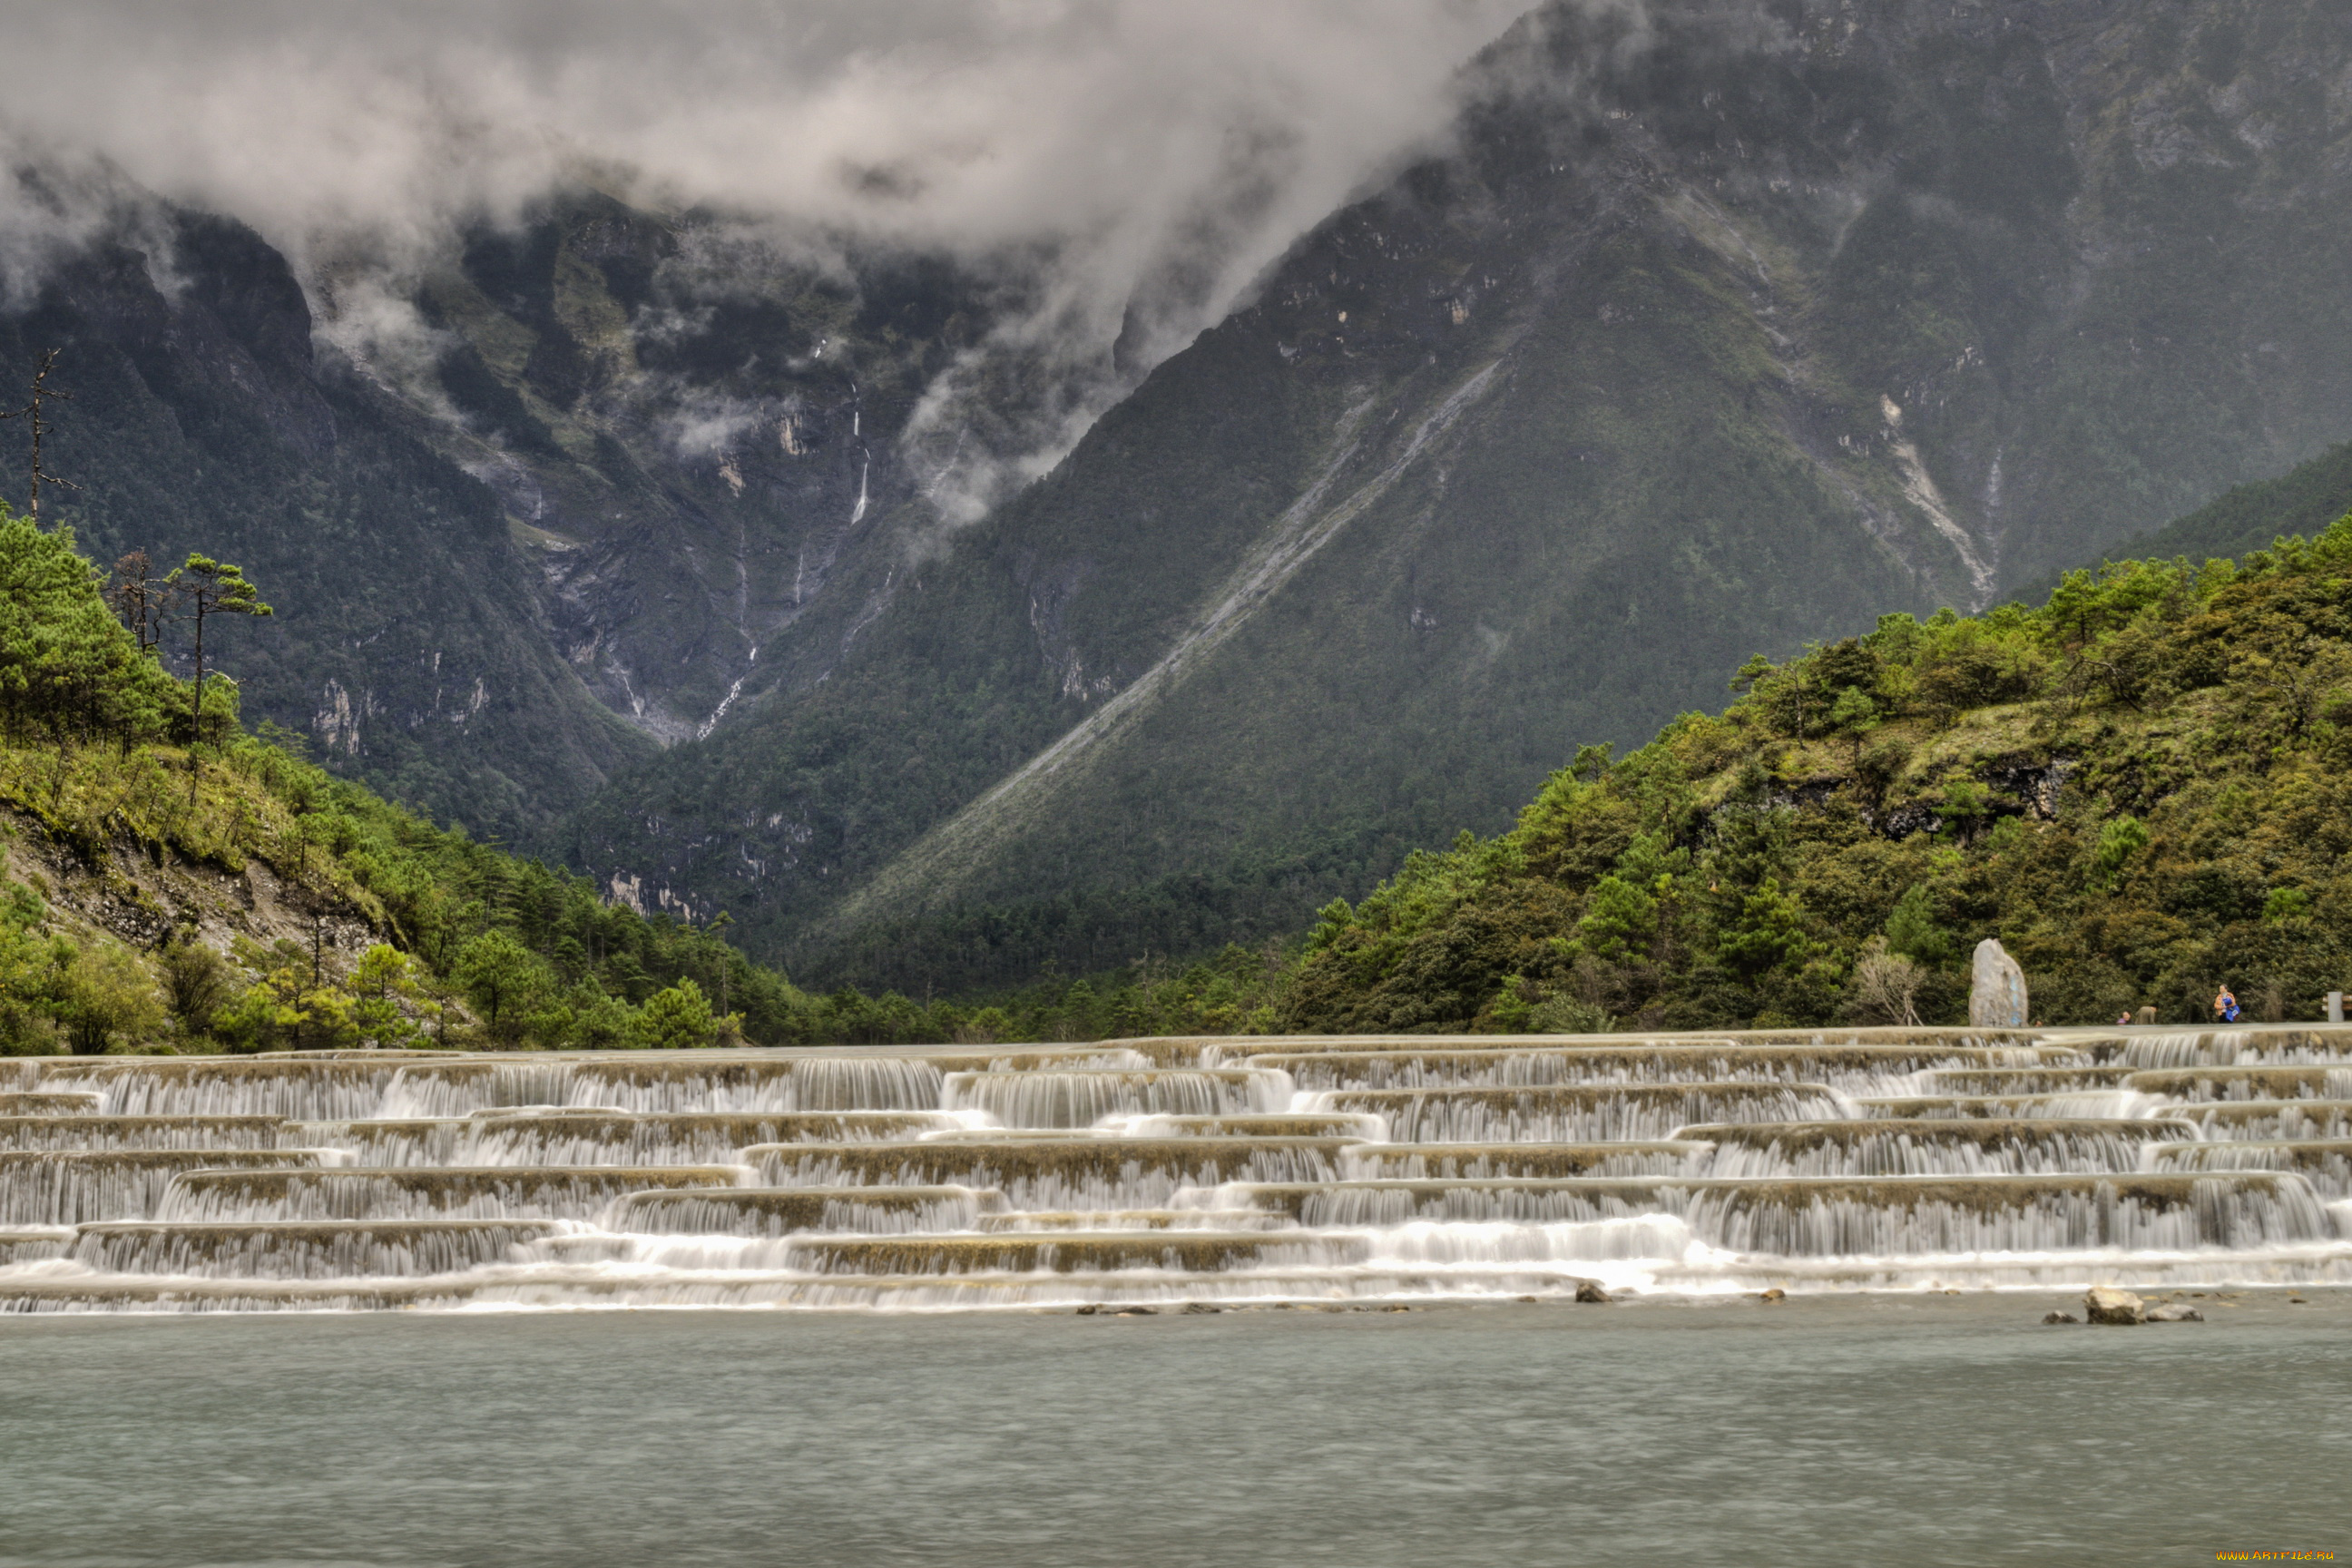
<point>1783,318</point>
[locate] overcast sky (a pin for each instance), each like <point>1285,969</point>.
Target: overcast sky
<point>957,122</point>
<point>1128,143</point>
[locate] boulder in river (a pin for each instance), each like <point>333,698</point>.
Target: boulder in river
<point>2174,1313</point>
<point>2060,1318</point>
<point>1995,989</point>
<point>1590,1292</point>
<point>2104,1305</point>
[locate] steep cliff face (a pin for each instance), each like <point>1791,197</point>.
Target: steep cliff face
<point>1726,328</point>
<point>696,434</point>
<point>408,637</point>
<point>603,487</point>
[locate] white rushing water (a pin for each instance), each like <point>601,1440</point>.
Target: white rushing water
<point>1177,1170</point>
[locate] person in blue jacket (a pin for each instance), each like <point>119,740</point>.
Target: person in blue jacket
<point>2225,1006</point>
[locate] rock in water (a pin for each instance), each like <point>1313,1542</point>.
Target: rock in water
<point>2060,1318</point>
<point>1590,1292</point>
<point>2175,1313</point>
<point>1995,989</point>
<point>2104,1305</point>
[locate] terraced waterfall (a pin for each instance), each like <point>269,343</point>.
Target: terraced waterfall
<point>1177,1170</point>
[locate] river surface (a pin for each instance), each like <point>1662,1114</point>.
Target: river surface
<point>1845,1430</point>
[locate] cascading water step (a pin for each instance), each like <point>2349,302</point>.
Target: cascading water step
<point>1279,1124</point>
<point>73,1132</point>
<point>2325,1162</point>
<point>2304,1264</point>
<point>583,1136</point>
<point>32,1244</point>
<point>1659,1157</point>
<point>1055,1173</point>
<point>1843,1067</point>
<point>2244,1083</point>
<point>768,1212</point>
<point>1870,1216</point>
<point>1559,1113</point>
<point>2268,1120</point>
<point>71,1187</point>
<point>2225,1047</point>
<point>1055,1098</point>
<point>313,1249</point>
<point>63,1102</point>
<point>1132,1219</point>
<point>116,1293</point>
<point>1935,1147</point>
<point>1995,1082</point>
<point>492,1192</point>
<point>2070,1042</point>
<point>1258,1170</point>
<point>1009,1252</point>
<point>2079,1105</point>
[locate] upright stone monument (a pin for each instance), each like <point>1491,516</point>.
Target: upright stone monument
<point>1995,989</point>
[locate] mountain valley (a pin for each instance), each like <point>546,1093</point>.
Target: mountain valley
<point>691,559</point>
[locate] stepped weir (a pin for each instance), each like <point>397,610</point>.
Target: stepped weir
<point>1178,1171</point>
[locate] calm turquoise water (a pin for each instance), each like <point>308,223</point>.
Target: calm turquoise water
<point>1821,1432</point>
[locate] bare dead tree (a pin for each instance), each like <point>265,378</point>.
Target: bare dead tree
<point>1886,984</point>
<point>42,393</point>
<point>141,596</point>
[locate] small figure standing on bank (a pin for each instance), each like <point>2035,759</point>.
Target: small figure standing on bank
<point>2126,1018</point>
<point>2225,1006</point>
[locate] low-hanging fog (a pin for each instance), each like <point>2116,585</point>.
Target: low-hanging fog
<point>1148,157</point>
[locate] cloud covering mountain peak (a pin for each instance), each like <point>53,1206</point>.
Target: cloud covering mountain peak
<point>1128,134</point>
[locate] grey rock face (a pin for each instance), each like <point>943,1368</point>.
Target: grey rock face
<point>2175,1313</point>
<point>1995,989</point>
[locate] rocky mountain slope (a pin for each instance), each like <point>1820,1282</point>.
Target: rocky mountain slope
<point>624,533</point>
<point>601,480</point>
<point>1724,330</point>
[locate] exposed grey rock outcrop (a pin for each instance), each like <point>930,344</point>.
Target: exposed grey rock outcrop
<point>1995,989</point>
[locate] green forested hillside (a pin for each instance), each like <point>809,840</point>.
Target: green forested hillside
<point>2138,787</point>
<point>226,894</point>
<point>2141,788</point>
<point>2300,501</point>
